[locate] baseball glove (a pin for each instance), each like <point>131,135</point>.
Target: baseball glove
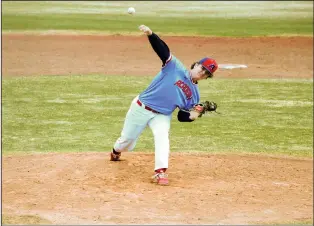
<point>204,107</point>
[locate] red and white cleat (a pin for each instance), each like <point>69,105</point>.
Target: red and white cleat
<point>161,178</point>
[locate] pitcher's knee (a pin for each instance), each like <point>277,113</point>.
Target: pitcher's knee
<point>124,144</point>
<point>161,133</point>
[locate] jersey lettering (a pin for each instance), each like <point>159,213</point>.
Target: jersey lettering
<point>185,88</point>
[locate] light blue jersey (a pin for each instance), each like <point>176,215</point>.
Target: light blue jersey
<point>172,87</point>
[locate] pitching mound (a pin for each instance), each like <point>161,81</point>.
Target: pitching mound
<point>87,188</point>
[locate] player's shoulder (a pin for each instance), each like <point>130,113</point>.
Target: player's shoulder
<point>174,61</point>
<point>170,61</point>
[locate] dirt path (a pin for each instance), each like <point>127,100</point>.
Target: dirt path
<point>86,188</point>
<point>205,189</point>
<point>120,55</point>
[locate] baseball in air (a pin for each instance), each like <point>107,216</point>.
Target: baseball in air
<point>131,10</point>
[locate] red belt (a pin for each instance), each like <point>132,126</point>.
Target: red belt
<point>146,107</point>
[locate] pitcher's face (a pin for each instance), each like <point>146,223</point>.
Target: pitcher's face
<point>199,73</point>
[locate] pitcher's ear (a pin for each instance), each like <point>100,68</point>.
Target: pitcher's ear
<point>194,64</point>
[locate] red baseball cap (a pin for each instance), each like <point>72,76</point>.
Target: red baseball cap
<point>210,64</point>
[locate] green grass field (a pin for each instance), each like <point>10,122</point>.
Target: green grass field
<point>175,18</point>
<point>86,113</point>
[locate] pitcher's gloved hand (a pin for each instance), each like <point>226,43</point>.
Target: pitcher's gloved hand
<point>145,29</point>
<point>203,107</point>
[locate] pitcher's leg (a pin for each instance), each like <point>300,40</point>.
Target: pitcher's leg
<point>160,126</point>
<point>135,122</point>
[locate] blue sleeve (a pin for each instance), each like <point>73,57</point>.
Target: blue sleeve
<point>160,47</point>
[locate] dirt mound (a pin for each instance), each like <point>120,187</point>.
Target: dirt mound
<point>86,188</point>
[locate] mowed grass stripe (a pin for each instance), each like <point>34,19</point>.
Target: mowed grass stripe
<point>86,113</point>
<point>222,9</point>
<point>110,23</point>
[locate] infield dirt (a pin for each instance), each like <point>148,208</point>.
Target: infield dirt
<point>266,57</point>
<point>86,188</point>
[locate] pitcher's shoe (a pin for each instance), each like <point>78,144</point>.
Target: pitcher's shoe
<point>115,157</point>
<point>161,178</point>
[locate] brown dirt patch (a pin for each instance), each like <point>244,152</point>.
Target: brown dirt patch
<point>120,55</point>
<point>86,188</point>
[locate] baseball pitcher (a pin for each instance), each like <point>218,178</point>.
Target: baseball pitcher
<point>173,87</point>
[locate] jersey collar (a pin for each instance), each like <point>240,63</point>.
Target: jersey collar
<point>195,83</point>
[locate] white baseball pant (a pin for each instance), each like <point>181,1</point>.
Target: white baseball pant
<point>137,118</point>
